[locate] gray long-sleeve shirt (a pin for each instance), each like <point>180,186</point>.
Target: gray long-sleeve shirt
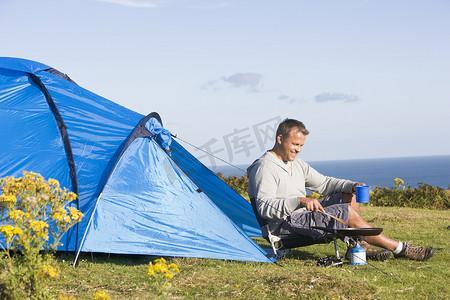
<point>277,186</point>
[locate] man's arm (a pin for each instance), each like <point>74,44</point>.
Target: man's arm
<point>325,185</point>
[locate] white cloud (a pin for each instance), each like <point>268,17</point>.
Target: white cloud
<point>133,3</point>
<point>250,81</point>
<point>243,79</point>
<point>290,100</point>
<point>211,85</point>
<point>328,97</point>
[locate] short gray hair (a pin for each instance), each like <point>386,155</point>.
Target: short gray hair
<point>287,125</point>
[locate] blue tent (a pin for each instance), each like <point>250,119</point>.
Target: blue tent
<point>140,191</point>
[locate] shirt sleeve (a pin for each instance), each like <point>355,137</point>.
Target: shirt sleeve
<point>324,185</point>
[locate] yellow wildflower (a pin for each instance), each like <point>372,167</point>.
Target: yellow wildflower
<point>72,196</point>
<point>398,181</point>
<point>17,231</point>
<point>160,260</point>
<point>65,297</point>
<point>101,295</point>
<point>40,228</point>
<point>174,268</point>
<point>58,216</point>
<point>16,214</point>
<point>49,271</point>
<point>61,210</point>
<point>150,272</point>
<point>38,225</point>
<point>7,230</point>
<point>160,268</point>
<point>10,231</point>
<point>53,182</point>
<point>8,198</point>
<point>66,219</point>
<point>75,214</point>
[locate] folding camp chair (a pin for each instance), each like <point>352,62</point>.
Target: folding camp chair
<point>283,244</point>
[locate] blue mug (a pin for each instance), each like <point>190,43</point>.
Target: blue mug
<point>362,193</point>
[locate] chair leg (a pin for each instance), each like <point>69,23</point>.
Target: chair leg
<point>275,250</point>
<point>336,247</point>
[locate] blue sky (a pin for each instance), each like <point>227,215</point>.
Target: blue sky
<point>369,78</point>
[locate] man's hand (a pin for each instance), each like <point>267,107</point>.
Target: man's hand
<point>311,204</point>
<point>354,186</point>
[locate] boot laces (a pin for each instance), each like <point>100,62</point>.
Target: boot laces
<point>414,250</point>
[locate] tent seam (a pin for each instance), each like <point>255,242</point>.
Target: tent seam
<point>64,136</point>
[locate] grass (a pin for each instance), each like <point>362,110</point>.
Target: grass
<point>296,277</point>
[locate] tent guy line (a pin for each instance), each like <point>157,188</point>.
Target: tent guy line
<point>210,154</point>
<point>267,203</point>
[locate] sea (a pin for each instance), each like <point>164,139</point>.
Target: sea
<point>432,170</point>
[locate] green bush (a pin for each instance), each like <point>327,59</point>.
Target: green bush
<point>239,184</point>
<point>423,196</point>
<point>401,195</point>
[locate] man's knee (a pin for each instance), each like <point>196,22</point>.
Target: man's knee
<point>353,214</point>
<point>347,197</point>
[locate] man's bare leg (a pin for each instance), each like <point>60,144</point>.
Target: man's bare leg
<point>351,198</point>
<point>356,221</point>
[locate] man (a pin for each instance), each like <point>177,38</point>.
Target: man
<point>278,181</point>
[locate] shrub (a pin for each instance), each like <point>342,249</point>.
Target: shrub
<point>239,184</point>
<point>33,218</point>
<point>403,195</point>
<point>424,196</point>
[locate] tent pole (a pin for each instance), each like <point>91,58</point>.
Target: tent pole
<point>75,263</point>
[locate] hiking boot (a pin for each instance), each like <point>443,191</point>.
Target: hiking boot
<point>371,252</point>
<point>415,252</point>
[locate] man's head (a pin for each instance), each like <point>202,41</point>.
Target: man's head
<point>291,135</point>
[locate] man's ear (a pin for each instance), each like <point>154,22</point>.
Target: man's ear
<point>279,139</point>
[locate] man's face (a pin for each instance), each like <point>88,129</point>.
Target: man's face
<point>291,145</point>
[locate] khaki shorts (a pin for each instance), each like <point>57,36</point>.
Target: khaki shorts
<point>300,222</point>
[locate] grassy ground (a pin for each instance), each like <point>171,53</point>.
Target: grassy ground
<point>296,277</point>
